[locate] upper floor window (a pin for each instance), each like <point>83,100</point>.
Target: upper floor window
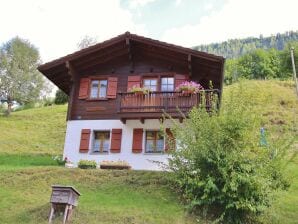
<point>167,84</point>
<point>154,141</point>
<point>101,142</point>
<point>150,84</point>
<point>98,89</point>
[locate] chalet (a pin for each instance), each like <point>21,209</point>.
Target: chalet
<point>106,120</point>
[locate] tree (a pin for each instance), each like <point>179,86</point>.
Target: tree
<point>86,41</point>
<point>260,64</point>
<point>220,168</point>
<point>286,62</point>
<point>61,97</point>
<point>19,77</point>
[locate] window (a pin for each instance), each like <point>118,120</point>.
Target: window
<point>167,84</point>
<point>154,141</point>
<point>101,141</point>
<point>150,84</point>
<point>98,89</point>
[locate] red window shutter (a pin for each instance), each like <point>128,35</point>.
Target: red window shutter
<point>116,140</point>
<point>112,87</point>
<point>179,79</point>
<point>170,139</point>
<point>137,141</point>
<point>133,81</point>
<point>85,139</point>
<point>84,88</point>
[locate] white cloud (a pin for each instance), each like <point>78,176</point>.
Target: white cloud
<point>139,3</point>
<point>178,3</point>
<point>208,6</point>
<point>57,26</point>
<point>238,19</point>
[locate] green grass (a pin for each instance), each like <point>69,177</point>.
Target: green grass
<point>34,131</point>
<point>19,161</point>
<point>107,196</point>
<point>29,138</point>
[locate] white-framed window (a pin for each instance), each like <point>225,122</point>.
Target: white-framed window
<point>101,141</point>
<point>167,84</point>
<point>98,89</point>
<point>154,141</point>
<point>150,83</point>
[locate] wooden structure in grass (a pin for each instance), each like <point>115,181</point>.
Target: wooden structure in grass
<point>63,199</point>
<point>106,120</point>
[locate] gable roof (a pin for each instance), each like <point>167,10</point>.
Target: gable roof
<point>57,70</point>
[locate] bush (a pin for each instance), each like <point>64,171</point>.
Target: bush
<point>220,167</point>
<point>61,97</point>
<point>87,164</point>
<point>47,102</point>
<point>59,160</point>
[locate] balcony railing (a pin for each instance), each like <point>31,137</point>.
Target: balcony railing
<point>170,102</point>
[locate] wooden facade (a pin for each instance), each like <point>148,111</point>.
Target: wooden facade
<point>125,61</point>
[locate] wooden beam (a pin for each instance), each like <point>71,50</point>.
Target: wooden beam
<point>70,70</point>
<point>162,57</point>
<point>74,76</point>
<point>102,54</point>
<point>123,120</point>
<point>189,65</point>
<point>102,60</point>
<point>130,54</point>
<point>165,53</point>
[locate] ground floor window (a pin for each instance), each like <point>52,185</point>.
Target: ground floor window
<point>101,142</point>
<point>154,141</point>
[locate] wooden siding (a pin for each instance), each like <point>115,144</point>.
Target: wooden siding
<point>107,109</point>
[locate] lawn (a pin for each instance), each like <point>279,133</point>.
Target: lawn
<point>29,138</point>
<point>107,196</point>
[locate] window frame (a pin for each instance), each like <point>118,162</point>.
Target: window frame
<point>155,140</point>
<point>167,83</point>
<point>90,89</point>
<point>152,78</point>
<point>158,77</point>
<point>93,142</point>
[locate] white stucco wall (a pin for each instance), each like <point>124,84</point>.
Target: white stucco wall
<point>138,161</point>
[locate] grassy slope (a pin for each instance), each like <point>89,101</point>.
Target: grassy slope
<point>30,136</point>
<point>34,131</point>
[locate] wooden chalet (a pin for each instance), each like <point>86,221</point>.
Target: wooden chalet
<point>102,112</point>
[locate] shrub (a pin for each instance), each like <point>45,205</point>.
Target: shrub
<point>221,169</point>
<point>87,164</point>
<point>59,160</point>
<point>47,102</point>
<point>61,97</point>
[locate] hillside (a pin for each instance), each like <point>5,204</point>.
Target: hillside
<point>27,170</point>
<point>237,47</point>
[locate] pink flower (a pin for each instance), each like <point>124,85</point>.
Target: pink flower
<point>189,86</point>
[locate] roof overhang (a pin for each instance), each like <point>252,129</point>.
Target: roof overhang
<point>59,71</point>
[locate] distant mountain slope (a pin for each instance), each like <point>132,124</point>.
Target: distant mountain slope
<point>237,47</point>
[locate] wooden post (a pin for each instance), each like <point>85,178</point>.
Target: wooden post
<point>294,70</point>
<point>65,214</point>
<point>51,213</point>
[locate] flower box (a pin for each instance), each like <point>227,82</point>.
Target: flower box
<point>189,87</point>
<point>116,165</point>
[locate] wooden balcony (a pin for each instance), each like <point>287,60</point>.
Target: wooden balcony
<point>155,103</point>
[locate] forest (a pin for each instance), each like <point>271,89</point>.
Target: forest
<point>257,58</point>
<point>237,47</point>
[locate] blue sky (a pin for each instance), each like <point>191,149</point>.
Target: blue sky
<point>56,26</point>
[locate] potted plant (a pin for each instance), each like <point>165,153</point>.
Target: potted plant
<point>189,87</point>
<point>139,90</point>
